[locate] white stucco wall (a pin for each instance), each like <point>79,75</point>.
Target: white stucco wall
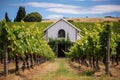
<point>52,32</point>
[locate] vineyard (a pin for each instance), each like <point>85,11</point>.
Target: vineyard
<point>24,44</point>
<point>93,46</point>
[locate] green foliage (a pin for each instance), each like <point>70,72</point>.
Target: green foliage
<point>20,14</point>
<point>3,31</point>
<point>33,17</point>
<point>54,42</point>
<point>3,35</point>
<point>92,25</point>
<point>93,41</point>
<point>90,36</point>
<point>28,39</point>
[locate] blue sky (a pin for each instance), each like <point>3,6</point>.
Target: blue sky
<point>62,8</point>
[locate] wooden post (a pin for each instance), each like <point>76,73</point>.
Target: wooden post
<point>108,52</point>
<point>5,58</point>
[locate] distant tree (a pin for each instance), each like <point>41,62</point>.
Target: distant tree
<point>70,20</point>
<point>109,17</point>
<point>86,16</point>
<point>33,17</point>
<point>20,14</point>
<point>7,18</point>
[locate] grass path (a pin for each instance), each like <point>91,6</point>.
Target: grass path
<point>60,69</point>
<point>63,72</point>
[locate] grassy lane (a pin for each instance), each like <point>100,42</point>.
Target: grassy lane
<point>58,70</point>
<point>65,72</point>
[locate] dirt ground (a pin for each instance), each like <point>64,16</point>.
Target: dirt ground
<point>114,69</point>
<point>61,69</point>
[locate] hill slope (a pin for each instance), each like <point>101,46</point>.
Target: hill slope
<point>79,25</point>
<point>87,20</point>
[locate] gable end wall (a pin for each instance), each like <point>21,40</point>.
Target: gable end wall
<point>52,32</point>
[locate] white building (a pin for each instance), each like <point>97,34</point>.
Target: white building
<point>62,29</point>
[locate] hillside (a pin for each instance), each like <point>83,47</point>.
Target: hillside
<point>79,25</point>
<point>87,20</point>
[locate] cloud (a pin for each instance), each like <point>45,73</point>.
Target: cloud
<point>92,0</point>
<point>63,10</point>
<point>54,16</point>
<point>99,0</point>
<point>100,9</point>
<point>71,9</point>
<point>79,0</point>
<point>50,5</point>
<point>105,8</point>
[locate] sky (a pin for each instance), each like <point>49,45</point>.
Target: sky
<point>51,9</point>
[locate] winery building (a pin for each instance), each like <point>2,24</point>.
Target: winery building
<point>61,29</point>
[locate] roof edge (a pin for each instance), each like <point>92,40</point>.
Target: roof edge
<point>58,21</point>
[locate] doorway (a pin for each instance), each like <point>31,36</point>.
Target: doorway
<point>61,49</point>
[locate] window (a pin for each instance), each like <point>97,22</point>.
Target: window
<point>61,33</point>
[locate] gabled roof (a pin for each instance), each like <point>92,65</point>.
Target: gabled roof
<point>59,21</point>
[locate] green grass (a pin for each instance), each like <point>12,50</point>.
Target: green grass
<point>65,73</point>
<point>88,73</point>
<point>42,26</point>
<point>62,72</point>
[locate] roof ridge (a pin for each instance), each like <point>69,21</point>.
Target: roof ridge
<point>60,20</point>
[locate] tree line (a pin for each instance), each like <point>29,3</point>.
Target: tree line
<point>21,15</point>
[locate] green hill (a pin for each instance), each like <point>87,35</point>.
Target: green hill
<point>79,25</point>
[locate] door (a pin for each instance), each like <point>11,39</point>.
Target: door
<point>61,49</point>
